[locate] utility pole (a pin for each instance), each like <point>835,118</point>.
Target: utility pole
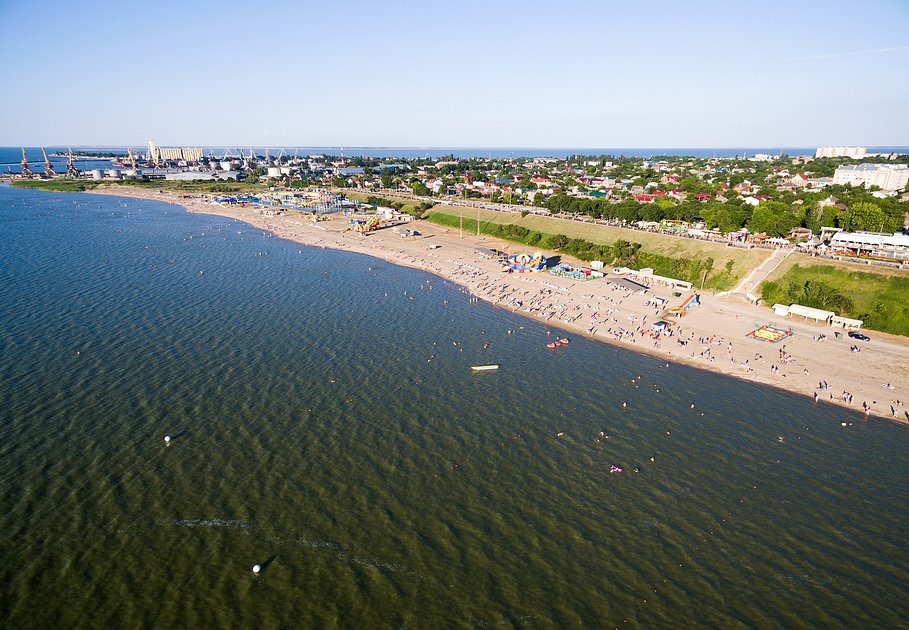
<point>461,222</point>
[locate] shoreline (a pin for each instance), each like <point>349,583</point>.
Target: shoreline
<point>711,337</point>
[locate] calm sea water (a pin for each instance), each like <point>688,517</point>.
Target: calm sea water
<point>328,428</point>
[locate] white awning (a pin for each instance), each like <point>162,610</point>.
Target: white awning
<point>809,312</point>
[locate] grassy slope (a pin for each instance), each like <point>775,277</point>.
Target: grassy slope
<point>804,261</point>
<point>879,296</point>
<point>671,246</point>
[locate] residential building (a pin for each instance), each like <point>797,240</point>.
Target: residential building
<point>884,176</point>
<point>856,153</point>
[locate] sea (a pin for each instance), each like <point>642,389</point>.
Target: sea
<point>326,426</point>
<point>11,157</point>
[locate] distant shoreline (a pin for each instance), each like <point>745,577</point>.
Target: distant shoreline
<point>884,360</point>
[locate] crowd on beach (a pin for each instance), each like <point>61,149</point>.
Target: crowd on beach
<point>610,312</point>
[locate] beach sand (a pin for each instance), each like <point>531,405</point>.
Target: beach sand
<point>710,337</point>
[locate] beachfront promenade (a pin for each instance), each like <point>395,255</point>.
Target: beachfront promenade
<point>711,337</point>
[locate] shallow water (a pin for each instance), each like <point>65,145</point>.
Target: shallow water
<point>328,427</point>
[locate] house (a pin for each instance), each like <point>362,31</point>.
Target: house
<point>643,198</point>
<point>703,196</point>
<point>800,233</point>
<point>798,181</point>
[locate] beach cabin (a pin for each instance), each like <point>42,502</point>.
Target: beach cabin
<point>808,312</point>
<point>846,323</point>
<point>781,310</point>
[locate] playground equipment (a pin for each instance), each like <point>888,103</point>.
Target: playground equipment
<point>524,263</point>
<point>770,334</point>
<point>690,302</point>
<point>364,226</point>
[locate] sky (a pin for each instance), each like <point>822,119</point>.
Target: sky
<point>794,73</point>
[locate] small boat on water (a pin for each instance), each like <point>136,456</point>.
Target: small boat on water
<point>483,368</point>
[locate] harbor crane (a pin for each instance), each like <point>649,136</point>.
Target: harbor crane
<point>26,171</point>
<point>132,160</point>
<point>71,169</point>
<point>48,169</point>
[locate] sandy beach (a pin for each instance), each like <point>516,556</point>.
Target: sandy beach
<point>812,362</point>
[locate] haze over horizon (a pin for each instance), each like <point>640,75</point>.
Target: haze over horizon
<point>405,74</point>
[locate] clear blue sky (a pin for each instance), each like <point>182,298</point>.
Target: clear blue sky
<point>558,74</point>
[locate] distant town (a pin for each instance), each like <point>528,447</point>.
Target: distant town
<point>841,199</point>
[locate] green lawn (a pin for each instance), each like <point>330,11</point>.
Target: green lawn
<point>55,185</point>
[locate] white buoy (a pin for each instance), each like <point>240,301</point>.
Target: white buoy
<point>624,405</point>
<point>167,440</point>
<point>256,568</point>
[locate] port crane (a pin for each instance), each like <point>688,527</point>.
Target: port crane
<point>250,162</point>
<point>48,169</point>
<point>26,171</point>
<point>129,155</point>
<point>71,169</point>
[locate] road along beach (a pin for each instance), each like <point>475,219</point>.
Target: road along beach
<point>871,377</point>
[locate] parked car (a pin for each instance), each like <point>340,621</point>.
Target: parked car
<point>859,336</point>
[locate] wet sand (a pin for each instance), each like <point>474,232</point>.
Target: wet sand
<point>874,381</point>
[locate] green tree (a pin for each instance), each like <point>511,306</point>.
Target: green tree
<point>866,216</point>
<point>773,218</point>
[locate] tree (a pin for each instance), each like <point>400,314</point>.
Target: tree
<point>387,177</point>
<point>866,216</point>
<point>772,218</point>
<point>625,253</point>
<point>708,265</point>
